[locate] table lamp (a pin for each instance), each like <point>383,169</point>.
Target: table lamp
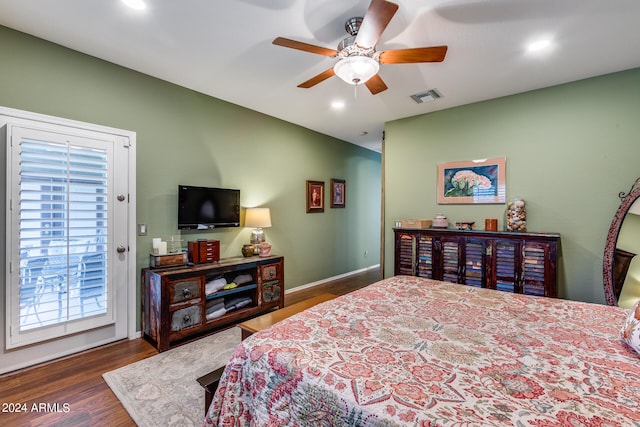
<point>258,218</point>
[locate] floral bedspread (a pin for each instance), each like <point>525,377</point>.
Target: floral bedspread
<point>412,351</point>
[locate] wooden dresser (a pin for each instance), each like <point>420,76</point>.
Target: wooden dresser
<point>508,261</point>
<point>176,304</point>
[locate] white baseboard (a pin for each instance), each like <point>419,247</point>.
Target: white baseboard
<point>329,279</point>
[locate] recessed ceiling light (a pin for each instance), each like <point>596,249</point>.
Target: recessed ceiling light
<point>135,4</point>
<point>364,133</point>
<point>337,105</point>
<point>539,45</point>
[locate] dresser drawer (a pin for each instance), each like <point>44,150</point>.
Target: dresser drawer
<point>186,318</point>
<point>271,291</point>
<point>184,290</point>
<point>270,272</point>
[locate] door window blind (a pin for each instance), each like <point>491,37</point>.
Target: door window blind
<point>63,233</point>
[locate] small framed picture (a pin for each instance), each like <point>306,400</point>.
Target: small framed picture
<point>315,196</point>
<point>338,193</point>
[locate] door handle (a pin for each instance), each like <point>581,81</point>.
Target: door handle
<point>121,249</point>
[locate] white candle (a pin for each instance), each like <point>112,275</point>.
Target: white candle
<point>162,248</point>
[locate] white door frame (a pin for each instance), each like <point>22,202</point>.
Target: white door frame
<point>8,359</point>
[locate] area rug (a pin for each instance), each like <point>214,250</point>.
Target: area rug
<point>162,390</point>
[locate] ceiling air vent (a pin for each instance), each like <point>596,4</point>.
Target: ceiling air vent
<point>430,95</point>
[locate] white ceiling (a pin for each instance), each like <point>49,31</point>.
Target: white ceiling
<point>223,48</point>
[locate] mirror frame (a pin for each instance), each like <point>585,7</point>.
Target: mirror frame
<point>612,238</point>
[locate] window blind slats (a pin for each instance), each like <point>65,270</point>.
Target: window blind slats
<point>63,214</point>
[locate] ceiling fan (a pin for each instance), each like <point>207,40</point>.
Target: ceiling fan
<point>358,59</point>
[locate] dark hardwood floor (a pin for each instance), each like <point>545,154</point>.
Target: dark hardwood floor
<point>336,287</point>
<point>71,392</point>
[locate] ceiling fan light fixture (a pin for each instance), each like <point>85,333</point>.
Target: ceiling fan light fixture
<point>356,69</point>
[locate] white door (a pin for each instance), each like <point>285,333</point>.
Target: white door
<point>68,282</point>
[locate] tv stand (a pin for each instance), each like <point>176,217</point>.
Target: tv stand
<point>175,300</point>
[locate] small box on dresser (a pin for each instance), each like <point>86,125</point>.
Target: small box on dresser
<point>204,251</point>
<point>169,260</point>
<point>415,223</point>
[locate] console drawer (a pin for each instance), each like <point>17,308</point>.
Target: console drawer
<point>271,291</point>
<point>269,272</point>
<point>184,290</point>
<point>186,318</point>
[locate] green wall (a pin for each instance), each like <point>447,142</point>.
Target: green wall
<point>570,150</point>
<point>184,137</point>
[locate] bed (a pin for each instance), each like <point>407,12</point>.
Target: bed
<point>413,351</point>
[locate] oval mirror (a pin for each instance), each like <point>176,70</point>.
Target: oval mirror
<point>621,267</point>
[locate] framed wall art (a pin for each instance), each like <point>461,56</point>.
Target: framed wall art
<point>472,181</point>
<point>338,193</point>
<point>315,196</point>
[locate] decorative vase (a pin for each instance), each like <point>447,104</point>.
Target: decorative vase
<point>440,221</point>
<point>516,215</point>
<point>264,249</point>
<point>248,250</point>
<point>491,224</point>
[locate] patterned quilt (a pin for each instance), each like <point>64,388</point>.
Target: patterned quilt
<point>412,351</point>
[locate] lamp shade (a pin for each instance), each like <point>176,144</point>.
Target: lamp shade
<point>356,69</point>
<point>257,218</point>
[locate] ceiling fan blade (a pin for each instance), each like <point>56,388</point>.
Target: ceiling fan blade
<point>374,22</point>
<point>317,79</point>
<point>415,55</point>
<point>306,47</point>
<point>375,84</point>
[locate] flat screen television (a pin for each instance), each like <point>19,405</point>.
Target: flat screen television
<point>204,208</point>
